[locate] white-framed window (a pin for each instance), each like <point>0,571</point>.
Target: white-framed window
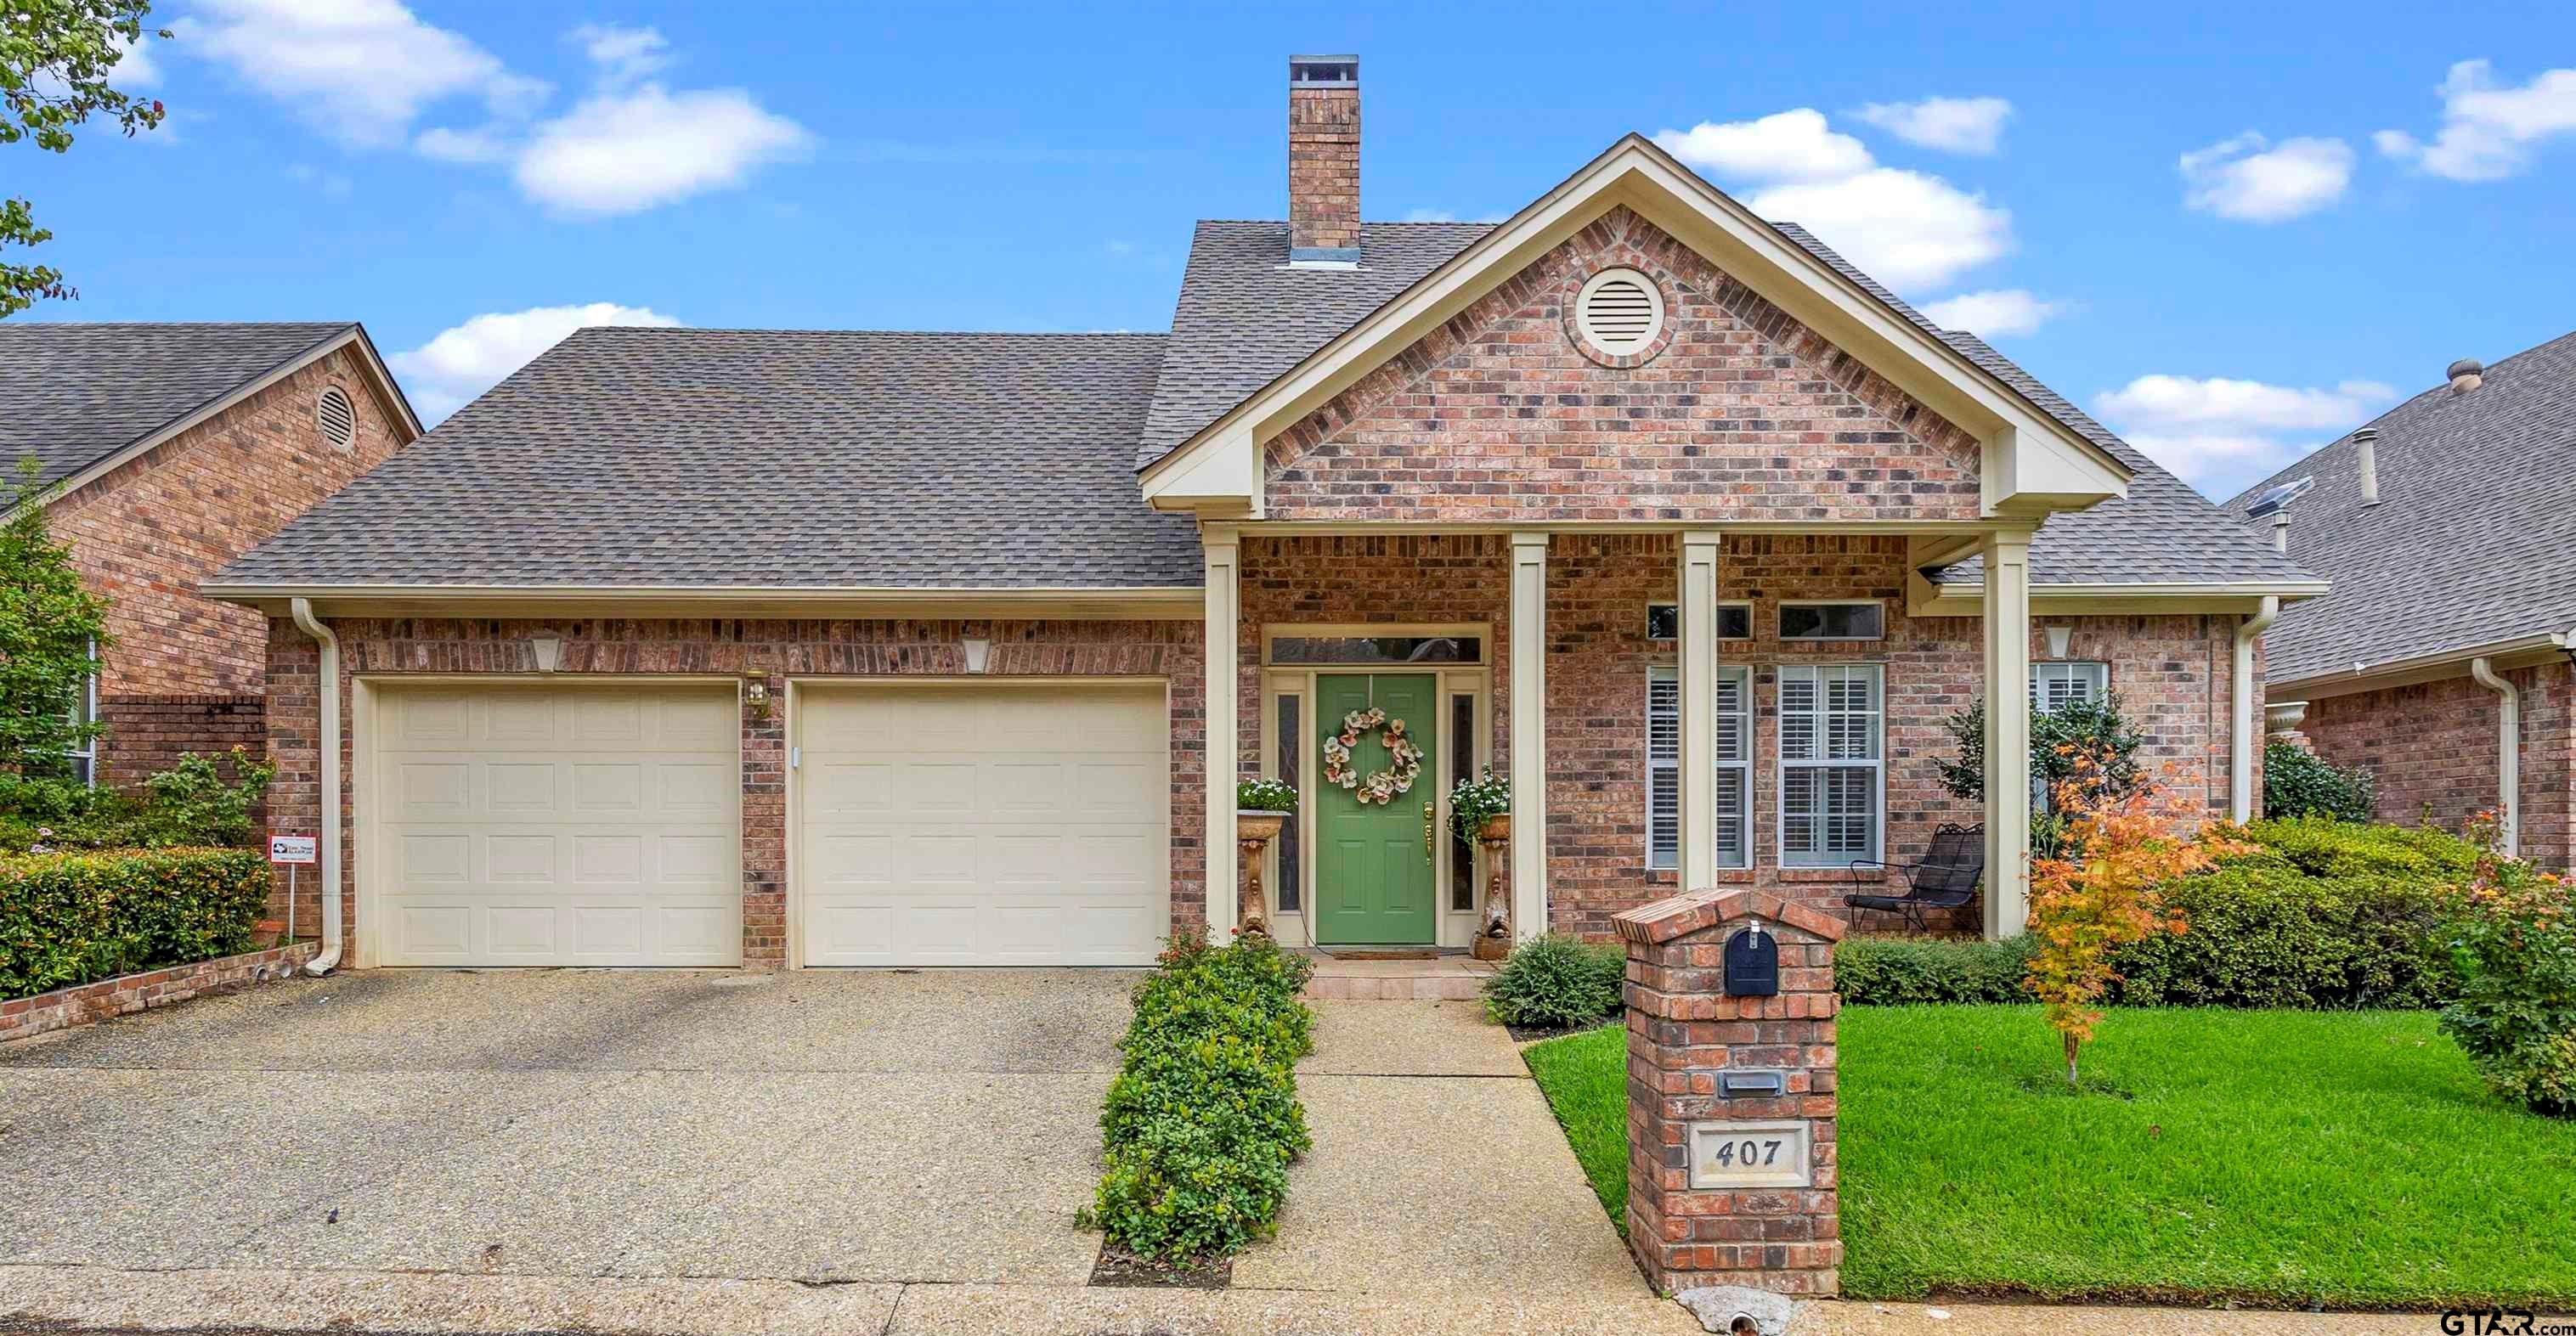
<point>1734,621</point>
<point>85,756</point>
<point>1833,619</point>
<point>1734,788</point>
<point>2055,685</point>
<point>1832,767</point>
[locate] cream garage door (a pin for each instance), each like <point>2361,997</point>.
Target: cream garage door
<point>983,824</point>
<point>547,824</point>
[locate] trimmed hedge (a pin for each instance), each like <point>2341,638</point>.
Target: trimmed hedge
<point>75,918</point>
<point>1896,971</point>
<point>1557,982</point>
<point>2323,914</point>
<point>1202,1121</point>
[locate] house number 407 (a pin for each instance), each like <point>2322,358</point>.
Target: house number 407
<point>1728,1154</point>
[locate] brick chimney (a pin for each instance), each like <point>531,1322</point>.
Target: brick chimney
<point>1323,160</point>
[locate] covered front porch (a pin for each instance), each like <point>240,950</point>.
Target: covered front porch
<point>1673,708</point>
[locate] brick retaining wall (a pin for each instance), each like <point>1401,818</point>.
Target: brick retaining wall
<point>90,1003</point>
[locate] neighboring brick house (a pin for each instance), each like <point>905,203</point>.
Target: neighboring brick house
<point>2445,659</point>
<point>856,648</point>
<point>176,448</point>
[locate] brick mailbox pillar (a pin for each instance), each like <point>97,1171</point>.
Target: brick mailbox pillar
<point>1731,1166</point>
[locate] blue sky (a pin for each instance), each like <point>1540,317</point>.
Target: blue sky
<point>2232,233</point>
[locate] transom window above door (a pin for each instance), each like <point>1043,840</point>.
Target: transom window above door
<point>1302,648</point>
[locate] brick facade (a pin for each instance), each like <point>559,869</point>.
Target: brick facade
<point>185,673</point>
<point>90,1003</point>
<point>2433,747</point>
<point>1746,414</point>
<point>2171,672</point>
<point>772,651</point>
<point>1684,1033</point>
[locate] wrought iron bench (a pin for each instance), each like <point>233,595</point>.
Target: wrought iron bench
<point>1945,879</point>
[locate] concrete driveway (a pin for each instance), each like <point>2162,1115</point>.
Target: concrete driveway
<point>819,1127</point>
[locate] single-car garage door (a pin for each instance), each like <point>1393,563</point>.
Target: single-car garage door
<point>1006,823</point>
<point>546,824</point>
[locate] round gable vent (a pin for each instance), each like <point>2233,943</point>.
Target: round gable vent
<point>337,417</point>
<point>1619,312</point>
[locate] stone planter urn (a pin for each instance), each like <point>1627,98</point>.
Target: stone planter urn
<point>1253,831</point>
<point>1494,939</point>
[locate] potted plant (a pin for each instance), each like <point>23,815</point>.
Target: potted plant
<point>1261,807</point>
<point>1480,809</point>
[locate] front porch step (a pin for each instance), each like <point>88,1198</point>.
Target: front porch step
<point>1441,979</point>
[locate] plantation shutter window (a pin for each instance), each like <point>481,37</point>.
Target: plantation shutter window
<point>1831,717</point>
<point>2053,686</point>
<point>1663,769</point>
<point>1734,787</point>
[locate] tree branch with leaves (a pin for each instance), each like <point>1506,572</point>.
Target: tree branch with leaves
<point>55,60</point>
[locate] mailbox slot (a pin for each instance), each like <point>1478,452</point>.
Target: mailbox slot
<point>1752,1084</point>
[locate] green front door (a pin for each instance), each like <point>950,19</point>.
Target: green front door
<point>1373,868</point>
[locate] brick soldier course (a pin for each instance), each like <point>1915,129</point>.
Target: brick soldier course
<point>1684,1033</point>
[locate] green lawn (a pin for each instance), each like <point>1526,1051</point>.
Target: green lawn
<point>2345,1158</point>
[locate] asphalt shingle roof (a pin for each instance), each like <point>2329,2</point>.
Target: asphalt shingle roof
<point>769,458</point>
<point>2474,538</point>
<point>1244,319</point>
<point>73,394</point>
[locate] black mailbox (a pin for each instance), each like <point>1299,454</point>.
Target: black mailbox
<point>1752,963</point>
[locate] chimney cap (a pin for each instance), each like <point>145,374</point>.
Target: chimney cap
<point>2466,366</point>
<point>1323,71</point>
<point>2360,434</point>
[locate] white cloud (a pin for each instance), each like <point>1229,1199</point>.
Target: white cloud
<point>361,70</point>
<point>136,66</point>
<point>2250,178</point>
<point>1905,229</point>
<point>2000,313</point>
<point>1951,124</point>
<point>2221,433</point>
<point>1429,216</point>
<point>1792,145</point>
<point>489,144</point>
<point>622,152</point>
<point>624,55</point>
<point>2488,132</point>
<point>447,372</point>
<point>333,185</point>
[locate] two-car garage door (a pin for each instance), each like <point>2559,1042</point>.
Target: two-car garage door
<point>1005,823</point>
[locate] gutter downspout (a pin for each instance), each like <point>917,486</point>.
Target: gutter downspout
<point>2241,729</point>
<point>327,684</point>
<point>2508,752</point>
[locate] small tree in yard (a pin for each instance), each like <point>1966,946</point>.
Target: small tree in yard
<point>48,624</point>
<point>2091,735</point>
<point>2084,908</point>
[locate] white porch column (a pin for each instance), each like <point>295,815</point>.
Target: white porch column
<point>2007,557</point>
<point>1529,735</point>
<point>1221,550</point>
<point>1698,594</point>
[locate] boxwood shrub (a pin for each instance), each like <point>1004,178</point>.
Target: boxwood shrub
<point>1893,971</point>
<point>1202,1121</point>
<point>73,918</point>
<point>1557,982</point>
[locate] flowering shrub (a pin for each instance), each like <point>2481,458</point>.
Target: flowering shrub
<point>2085,908</point>
<point>2513,936</point>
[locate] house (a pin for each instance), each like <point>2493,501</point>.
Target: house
<point>2442,660</point>
<point>865,648</point>
<point>175,448</point>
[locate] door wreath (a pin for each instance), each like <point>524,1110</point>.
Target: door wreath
<point>1381,786</point>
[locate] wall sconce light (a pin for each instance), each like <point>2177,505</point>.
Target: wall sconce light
<point>2059,638</point>
<point>755,693</point>
<point>548,647</point>
<point>978,654</point>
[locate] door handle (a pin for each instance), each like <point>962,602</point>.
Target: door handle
<point>1429,823</point>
